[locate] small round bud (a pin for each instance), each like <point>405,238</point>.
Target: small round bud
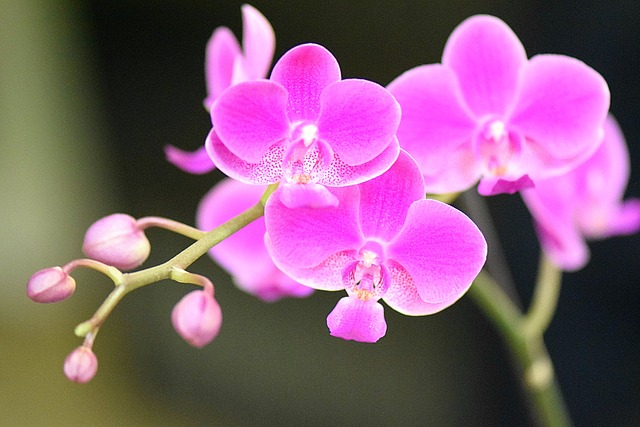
<point>50,285</point>
<point>81,365</point>
<point>197,318</point>
<point>116,240</point>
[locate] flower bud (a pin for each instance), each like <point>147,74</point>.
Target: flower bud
<point>116,240</point>
<point>197,318</point>
<point>50,285</point>
<point>81,365</point>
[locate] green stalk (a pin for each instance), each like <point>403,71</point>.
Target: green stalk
<point>523,336</point>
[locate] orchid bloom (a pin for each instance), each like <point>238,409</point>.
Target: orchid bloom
<point>305,127</point>
<point>243,255</point>
<point>488,113</point>
<point>586,202</point>
<point>227,64</point>
<point>383,240</point>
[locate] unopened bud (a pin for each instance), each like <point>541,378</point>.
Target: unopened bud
<point>81,365</point>
<point>116,240</point>
<point>197,318</point>
<point>50,285</point>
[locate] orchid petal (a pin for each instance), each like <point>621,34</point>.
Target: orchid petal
<point>624,220</point>
<point>385,200</point>
<point>310,195</point>
<point>434,120</point>
<point>267,170</point>
<point>551,204</point>
<point>562,105</point>
<point>358,119</point>
<point>221,53</point>
<point>250,117</point>
<point>256,275</point>
<point>458,173</point>
<point>490,186</point>
<point>358,320</point>
<point>403,295</point>
<point>258,42</point>
<point>604,175</point>
<point>339,174</point>
<point>486,56</point>
<point>326,276</point>
<point>197,162</point>
<point>441,248</point>
<point>304,237</point>
<point>305,71</point>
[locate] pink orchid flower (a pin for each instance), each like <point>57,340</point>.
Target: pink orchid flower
<point>488,113</point>
<point>384,240</point>
<point>305,127</point>
<point>586,202</point>
<point>226,64</point>
<point>243,255</point>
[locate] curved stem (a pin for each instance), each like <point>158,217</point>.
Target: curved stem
<point>181,261</point>
<point>545,298</point>
<point>527,349</point>
<point>171,225</point>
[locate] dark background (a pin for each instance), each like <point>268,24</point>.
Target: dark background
<point>275,364</point>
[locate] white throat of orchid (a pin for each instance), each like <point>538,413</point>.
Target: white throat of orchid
<point>309,134</point>
<point>496,146</point>
<point>307,157</point>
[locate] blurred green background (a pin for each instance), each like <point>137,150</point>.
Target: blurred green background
<point>91,91</point>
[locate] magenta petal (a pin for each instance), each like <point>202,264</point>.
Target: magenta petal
<point>624,220</point>
<point>257,274</point>
<point>305,237</point>
<point>385,200</point>
<point>562,105</point>
<point>563,243</point>
<point>358,320</point>
<point>196,162</point>
<point>267,170</point>
<point>309,195</point>
<point>258,42</point>
<point>221,53</point>
<point>358,119</point>
<point>441,248</point>
<point>435,121</point>
<point>250,117</point>
<point>326,276</point>
<point>486,56</point>
<point>403,295</point>
<point>490,186</point>
<point>340,174</point>
<point>305,71</point>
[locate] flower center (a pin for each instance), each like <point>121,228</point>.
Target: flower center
<point>367,277</point>
<point>307,157</point>
<point>496,146</point>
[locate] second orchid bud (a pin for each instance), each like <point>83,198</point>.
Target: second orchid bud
<point>81,365</point>
<point>50,285</point>
<point>118,241</point>
<point>197,318</point>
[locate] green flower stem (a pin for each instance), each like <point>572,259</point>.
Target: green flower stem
<point>167,270</point>
<point>108,270</point>
<point>524,339</point>
<point>545,298</point>
<point>171,225</point>
<point>183,276</point>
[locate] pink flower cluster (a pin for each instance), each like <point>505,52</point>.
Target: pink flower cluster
<point>487,114</point>
<point>353,161</point>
